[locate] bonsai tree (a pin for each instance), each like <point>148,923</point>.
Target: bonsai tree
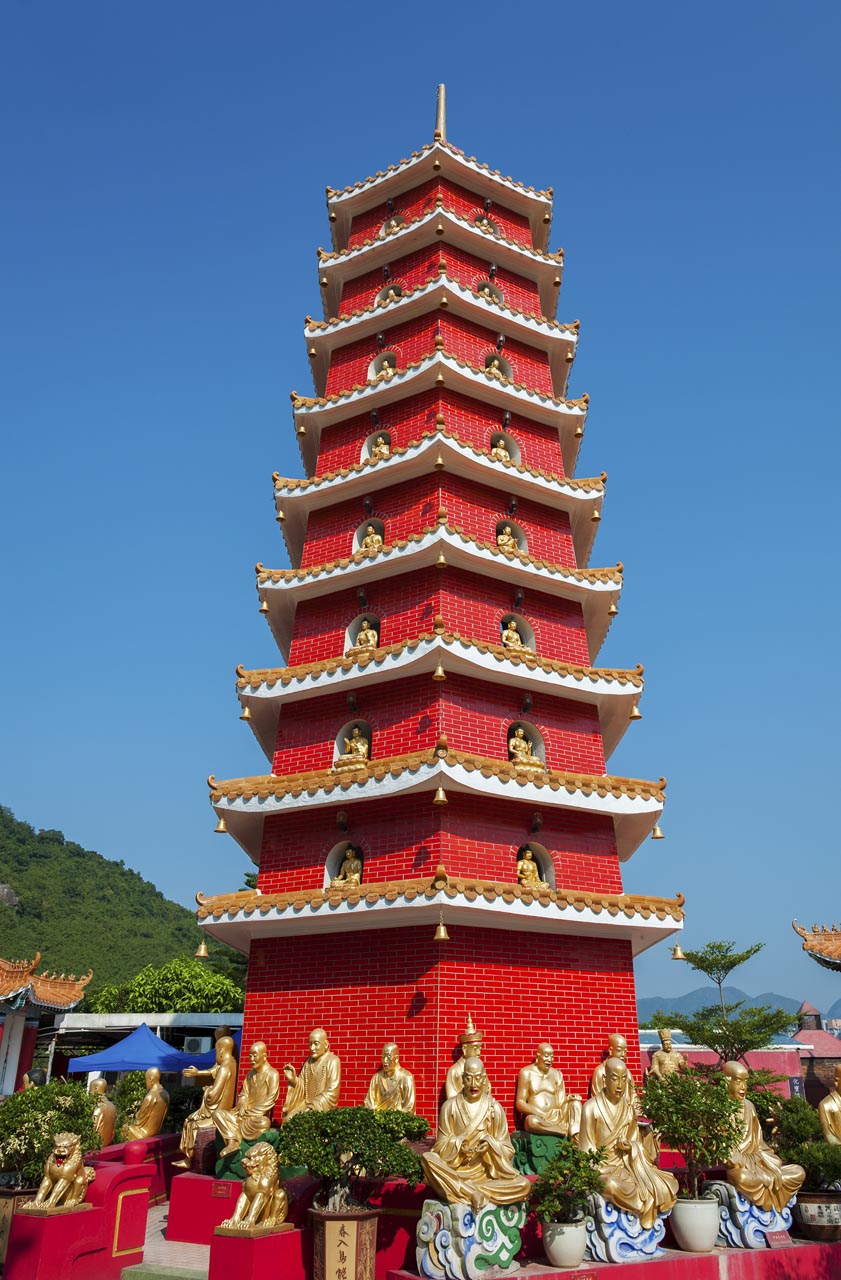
<point>798,1138</point>
<point>562,1190</point>
<point>30,1119</point>
<point>694,1116</point>
<point>343,1146</point>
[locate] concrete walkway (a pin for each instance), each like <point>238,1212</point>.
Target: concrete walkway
<point>168,1260</point>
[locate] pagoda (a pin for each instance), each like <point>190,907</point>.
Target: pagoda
<point>438,713</point>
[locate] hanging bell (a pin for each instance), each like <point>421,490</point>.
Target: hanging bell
<point>579,431</point>
<point>202,952</point>
<point>441,562</point>
<point>439,463</point>
<point>657,834</point>
<point>441,934</point>
<point>635,713</point>
<point>440,797</point>
<point>677,952</point>
<point>246,713</point>
<point>281,515</point>
<point>221,828</point>
<point>612,609</point>
<point>301,430</point>
<point>596,516</point>
<point>264,606</point>
<point>439,673</point>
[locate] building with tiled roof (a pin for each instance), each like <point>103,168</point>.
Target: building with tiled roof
<point>23,994</point>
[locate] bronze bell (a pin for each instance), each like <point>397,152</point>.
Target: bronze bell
<point>440,797</point>
<point>439,673</point>
<point>246,713</point>
<point>612,609</point>
<point>657,834</point>
<point>441,562</point>
<point>677,952</point>
<point>439,463</point>
<point>441,934</point>
<point>264,606</point>
<point>635,713</point>
<point>202,952</point>
<point>596,516</point>
<point>579,431</point>
<point>221,828</point>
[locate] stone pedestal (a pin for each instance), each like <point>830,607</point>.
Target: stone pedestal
<point>743,1225</point>
<point>198,1204</point>
<point>613,1235</point>
<point>277,1253</point>
<point>456,1242</point>
<point>533,1151</point>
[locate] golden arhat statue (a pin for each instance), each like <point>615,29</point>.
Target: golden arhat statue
<point>499,453</point>
<point>217,1095</point>
<point>666,1060</point>
<point>829,1110</point>
<point>355,752</point>
<point>542,1098</point>
<point>381,448</point>
<point>263,1204</point>
<point>506,541</point>
<point>521,751</point>
<point>350,872</point>
<point>316,1086</point>
<point>528,873</point>
<point>617,1047</point>
<point>471,1046</point>
<point>366,638</point>
<point>471,1161</point>
<point>371,541</point>
<point>252,1115</point>
<point>105,1113</point>
<point>65,1181</point>
<point>152,1110</point>
<point>752,1167</point>
<point>630,1178</point>
<point>511,638</point>
<point>392,1088</point>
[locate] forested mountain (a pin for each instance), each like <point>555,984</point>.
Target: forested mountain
<point>690,1003</point>
<point>82,911</point>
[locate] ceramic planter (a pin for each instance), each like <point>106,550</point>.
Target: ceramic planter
<point>344,1242</point>
<point>818,1214</point>
<point>694,1224</point>
<point>564,1243</point>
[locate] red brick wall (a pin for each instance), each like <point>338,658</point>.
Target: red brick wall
<point>417,268</point>
<point>421,200</point>
<point>372,986</point>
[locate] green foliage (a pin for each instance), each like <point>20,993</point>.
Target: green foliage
<point>184,1099</point>
<point>695,1116</point>
<point>344,1145</point>
<point>30,1119</point>
<point>718,959</point>
<point>822,1163</point>
<point>560,1193</point>
<point>179,986</point>
<point>732,1035</point>
<point>119,922</point>
<point>794,1122</point>
<point>127,1095</point>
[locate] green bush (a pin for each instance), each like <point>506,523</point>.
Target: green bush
<point>794,1123</point>
<point>694,1116</point>
<point>127,1095</point>
<point>562,1190</point>
<point>822,1163</point>
<point>184,1099</point>
<point>30,1119</point>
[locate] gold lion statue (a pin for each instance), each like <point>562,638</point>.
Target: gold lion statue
<point>262,1202</point>
<point>65,1181</point>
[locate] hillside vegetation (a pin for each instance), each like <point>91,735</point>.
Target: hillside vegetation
<point>83,911</point>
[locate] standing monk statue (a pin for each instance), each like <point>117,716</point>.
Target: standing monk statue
<point>216,1096</point>
<point>316,1086</point>
<point>392,1088</point>
<point>252,1115</point>
<point>151,1112</point>
<point>752,1167</point>
<point>829,1110</point>
<point>542,1098</point>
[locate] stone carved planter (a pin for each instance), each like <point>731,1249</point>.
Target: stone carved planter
<point>344,1243</point>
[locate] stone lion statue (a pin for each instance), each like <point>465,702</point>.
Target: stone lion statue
<point>65,1181</point>
<point>263,1202</point>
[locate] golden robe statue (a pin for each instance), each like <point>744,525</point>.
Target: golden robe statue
<point>392,1088</point>
<point>316,1086</point>
<point>252,1115</point>
<point>216,1096</point>
<point>542,1098</point>
<point>471,1047</point>
<point>150,1114</point>
<point>630,1179</point>
<point>666,1061</point>
<point>471,1162</point>
<point>105,1113</point>
<point>829,1110</point>
<point>752,1167</point>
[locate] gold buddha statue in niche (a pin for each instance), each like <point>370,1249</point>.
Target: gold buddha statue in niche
<point>542,1098</point>
<point>494,369</point>
<point>499,453</point>
<point>252,1115</point>
<point>528,872</point>
<point>371,541</point>
<point>366,638</point>
<point>380,449</point>
<point>753,1168</point>
<point>316,1086</point>
<point>506,541</point>
<point>392,1088</point>
<point>355,753</point>
<point>150,1114</point>
<point>472,1159</point>
<point>386,372</point>
<point>829,1111</point>
<point>521,751</point>
<point>666,1060</point>
<point>105,1113</point>
<point>350,872</point>
<point>511,638</point>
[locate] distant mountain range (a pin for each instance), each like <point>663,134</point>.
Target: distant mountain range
<point>647,1006</point>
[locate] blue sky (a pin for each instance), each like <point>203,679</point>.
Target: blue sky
<point>164,169</point>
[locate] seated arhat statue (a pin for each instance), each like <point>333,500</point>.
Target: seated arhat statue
<point>392,1088</point>
<point>617,1047</point>
<point>371,541</point>
<point>630,1178</point>
<point>350,872</point>
<point>528,872</point>
<point>150,1114</point>
<point>666,1060</point>
<point>472,1159</point>
<point>499,453</point>
<point>470,1041</point>
<point>829,1110</point>
<point>380,449</point>
<point>386,372</point>
<point>506,541</point>
<point>494,369</point>
<point>105,1113</point>
<point>511,638</point>
<point>316,1086</point>
<point>217,1095</point>
<point>252,1115</point>
<point>355,752</point>
<point>521,752</point>
<point>753,1168</point>
<point>366,637</point>
<point>542,1099</point>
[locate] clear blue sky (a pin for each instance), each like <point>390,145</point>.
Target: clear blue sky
<point>164,169</point>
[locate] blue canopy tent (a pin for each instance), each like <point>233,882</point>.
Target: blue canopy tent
<point>142,1049</point>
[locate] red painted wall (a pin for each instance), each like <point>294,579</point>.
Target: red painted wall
<point>422,200</point>
<point>413,269</point>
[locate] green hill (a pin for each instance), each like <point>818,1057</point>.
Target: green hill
<point>82,911</point>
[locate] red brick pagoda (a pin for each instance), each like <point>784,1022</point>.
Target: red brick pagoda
<point>439,712</point>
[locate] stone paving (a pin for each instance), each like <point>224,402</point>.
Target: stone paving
<point>168,1259</point>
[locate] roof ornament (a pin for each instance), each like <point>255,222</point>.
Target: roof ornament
<point>441,115</point>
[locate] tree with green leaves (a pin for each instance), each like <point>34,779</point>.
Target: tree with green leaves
<point>730,1030</point>
<point>180,986</point>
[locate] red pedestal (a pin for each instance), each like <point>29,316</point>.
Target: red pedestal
<point>94,1243</point>
<point>197,1204</point>
<point>160,1153</point>
<point>274,1255</point>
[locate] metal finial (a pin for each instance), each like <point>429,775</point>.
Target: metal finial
<point>441,114</point>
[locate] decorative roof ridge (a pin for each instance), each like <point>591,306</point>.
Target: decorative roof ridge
<point>285,675</point>
<point>627,904</point>
<point>400,544</point>
<point>587,483</point>
<point>311,402</point>
<point>333,255</point>
<point>310,323</point>
<point>332,192</point>
<point>314,780</point>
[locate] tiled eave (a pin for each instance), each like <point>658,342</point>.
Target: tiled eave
<point>438,372</point>
<point>613,692</point>
<point>556,341</point>
<point>440,227</point>
<point>594,589</point>
<point>633,804</point>
<point>579,498</point>
<point>20,984</point>
<point>237,918</point>
<point>822,943</point>
<point>439,160</point>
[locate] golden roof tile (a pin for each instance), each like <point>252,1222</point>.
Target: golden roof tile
<point>546,194</point>
<point>822,943</point>
<point>19,981</point>
<point>333,255</point>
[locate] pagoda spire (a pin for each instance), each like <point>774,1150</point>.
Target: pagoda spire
<point>441,114</point>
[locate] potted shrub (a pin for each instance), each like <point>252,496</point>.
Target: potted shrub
<point>696,1118</point>
<point>798,1139</point>
<point>342,1148</point>
<point>559,1199</point>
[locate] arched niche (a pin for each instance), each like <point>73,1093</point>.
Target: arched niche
<point>542,859</point>
<point>392,223</point>
<point>496,366</point>
<point>532,735</point>
<point>372,449</point>
<point>506,529</point>
<point>391,293</point>
<point>487,289</point>
<point>508,443</point>
<point>523,628</point>
<point>347,751</point>
<point>383,367</point>
<point>484,223</point>
<point>371,528</point>
<point>335,858</point>
<point>364,622</point>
